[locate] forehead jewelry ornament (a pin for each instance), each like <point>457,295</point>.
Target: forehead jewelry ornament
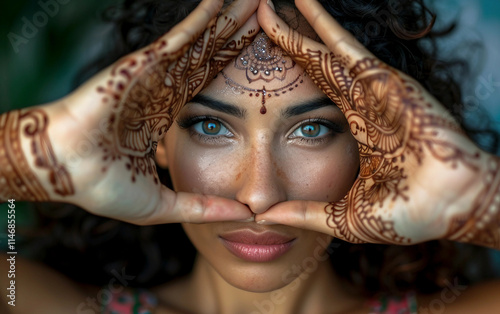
<point>263,92</point>
<point>263,60</point>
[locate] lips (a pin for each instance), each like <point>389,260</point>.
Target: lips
<point>257,247</point>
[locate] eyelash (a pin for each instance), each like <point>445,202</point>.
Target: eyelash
<point>333,129</point>
<point>189,122</point>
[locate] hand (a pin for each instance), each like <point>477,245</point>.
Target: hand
<point>103,137</point>
<point>420,177</point>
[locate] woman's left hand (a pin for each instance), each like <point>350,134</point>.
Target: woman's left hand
<point>421,177</point>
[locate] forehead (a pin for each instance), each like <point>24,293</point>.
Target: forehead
<point>263,77</point>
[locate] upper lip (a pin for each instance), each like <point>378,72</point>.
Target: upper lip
<point>247,236</point>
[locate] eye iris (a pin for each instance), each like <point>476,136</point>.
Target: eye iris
<point>211,127</point>
<point>311,129</point>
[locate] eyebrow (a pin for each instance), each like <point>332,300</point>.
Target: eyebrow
<point>241,113</point>
<point>220,106</point>
<point>307,106</point>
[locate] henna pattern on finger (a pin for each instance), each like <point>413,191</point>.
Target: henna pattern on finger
<point>147,90</point>
<point>17,178</point>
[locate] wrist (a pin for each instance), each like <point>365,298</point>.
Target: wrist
<point>482,224</point>
<point>30,169</point>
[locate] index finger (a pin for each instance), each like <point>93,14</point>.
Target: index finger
<point>336,38</point>
<point>194,208</point>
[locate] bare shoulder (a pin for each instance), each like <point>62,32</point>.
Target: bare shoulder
<point>456,298</point>
<point>36,288</point>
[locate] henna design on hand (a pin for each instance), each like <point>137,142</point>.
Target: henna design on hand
<point>17,178</point>
<point>148,89</point>
<point>399,129</point>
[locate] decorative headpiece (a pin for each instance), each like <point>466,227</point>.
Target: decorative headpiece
<point>263,60</point>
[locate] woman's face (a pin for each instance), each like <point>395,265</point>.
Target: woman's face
<point>261,133</point>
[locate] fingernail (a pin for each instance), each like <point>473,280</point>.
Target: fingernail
<point>271,4</point>
<point>247,220</point>
<point>265,222</point>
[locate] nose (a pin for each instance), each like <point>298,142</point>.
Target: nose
<point>262,181</point>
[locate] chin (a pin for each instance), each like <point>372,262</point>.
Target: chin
<point>258,282</point>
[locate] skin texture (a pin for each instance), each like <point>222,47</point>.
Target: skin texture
<point>406,140</point>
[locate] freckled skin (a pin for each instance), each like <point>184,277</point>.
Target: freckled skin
<point>260,165</point>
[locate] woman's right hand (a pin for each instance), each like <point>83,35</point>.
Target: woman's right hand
<point>96,147</point>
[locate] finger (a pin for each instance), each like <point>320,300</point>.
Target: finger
<point>238,21</point>
<point>337,39</point>
<point>208,32</point>
<point>338,219</point>
<point>231,49</point>
<point>189,29</point>
<point>197,208</point>
<point>308,215</point>
<point>327,71</point>
<point>293,42</point>
<point>200,63</point>
<point>238,41</point>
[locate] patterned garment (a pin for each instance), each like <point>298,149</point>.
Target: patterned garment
<point>129,301</point>
<point>143,302</point>
<point>394,305</point>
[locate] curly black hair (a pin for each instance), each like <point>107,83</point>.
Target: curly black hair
<point>87,247</point>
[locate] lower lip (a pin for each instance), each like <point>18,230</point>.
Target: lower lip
<point>257,252</point>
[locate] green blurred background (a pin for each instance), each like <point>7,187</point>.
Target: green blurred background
<point>42,68</point>
<point>69,33</point>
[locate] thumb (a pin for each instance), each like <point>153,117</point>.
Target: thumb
<point>310,215</point>
<point>196,208</point>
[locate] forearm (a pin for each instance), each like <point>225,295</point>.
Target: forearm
<point>29,169</point>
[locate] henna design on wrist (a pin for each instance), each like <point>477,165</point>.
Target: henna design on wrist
<point>397,129</point>
<point>482,226</point>
<point>17,179</point>
<point>147,90</point>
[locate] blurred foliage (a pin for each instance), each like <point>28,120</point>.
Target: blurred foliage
<point>41,68</point>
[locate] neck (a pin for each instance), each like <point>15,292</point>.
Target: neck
<point>310,292</point>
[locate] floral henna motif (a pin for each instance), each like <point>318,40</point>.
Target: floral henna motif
<point>147,90</point>
<point>17,180</point>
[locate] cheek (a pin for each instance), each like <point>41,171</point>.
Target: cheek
<point>328,175</point>
<point>193,169</point>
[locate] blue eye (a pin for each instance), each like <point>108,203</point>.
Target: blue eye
<point>311,129</point>
<point>210,127</point>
